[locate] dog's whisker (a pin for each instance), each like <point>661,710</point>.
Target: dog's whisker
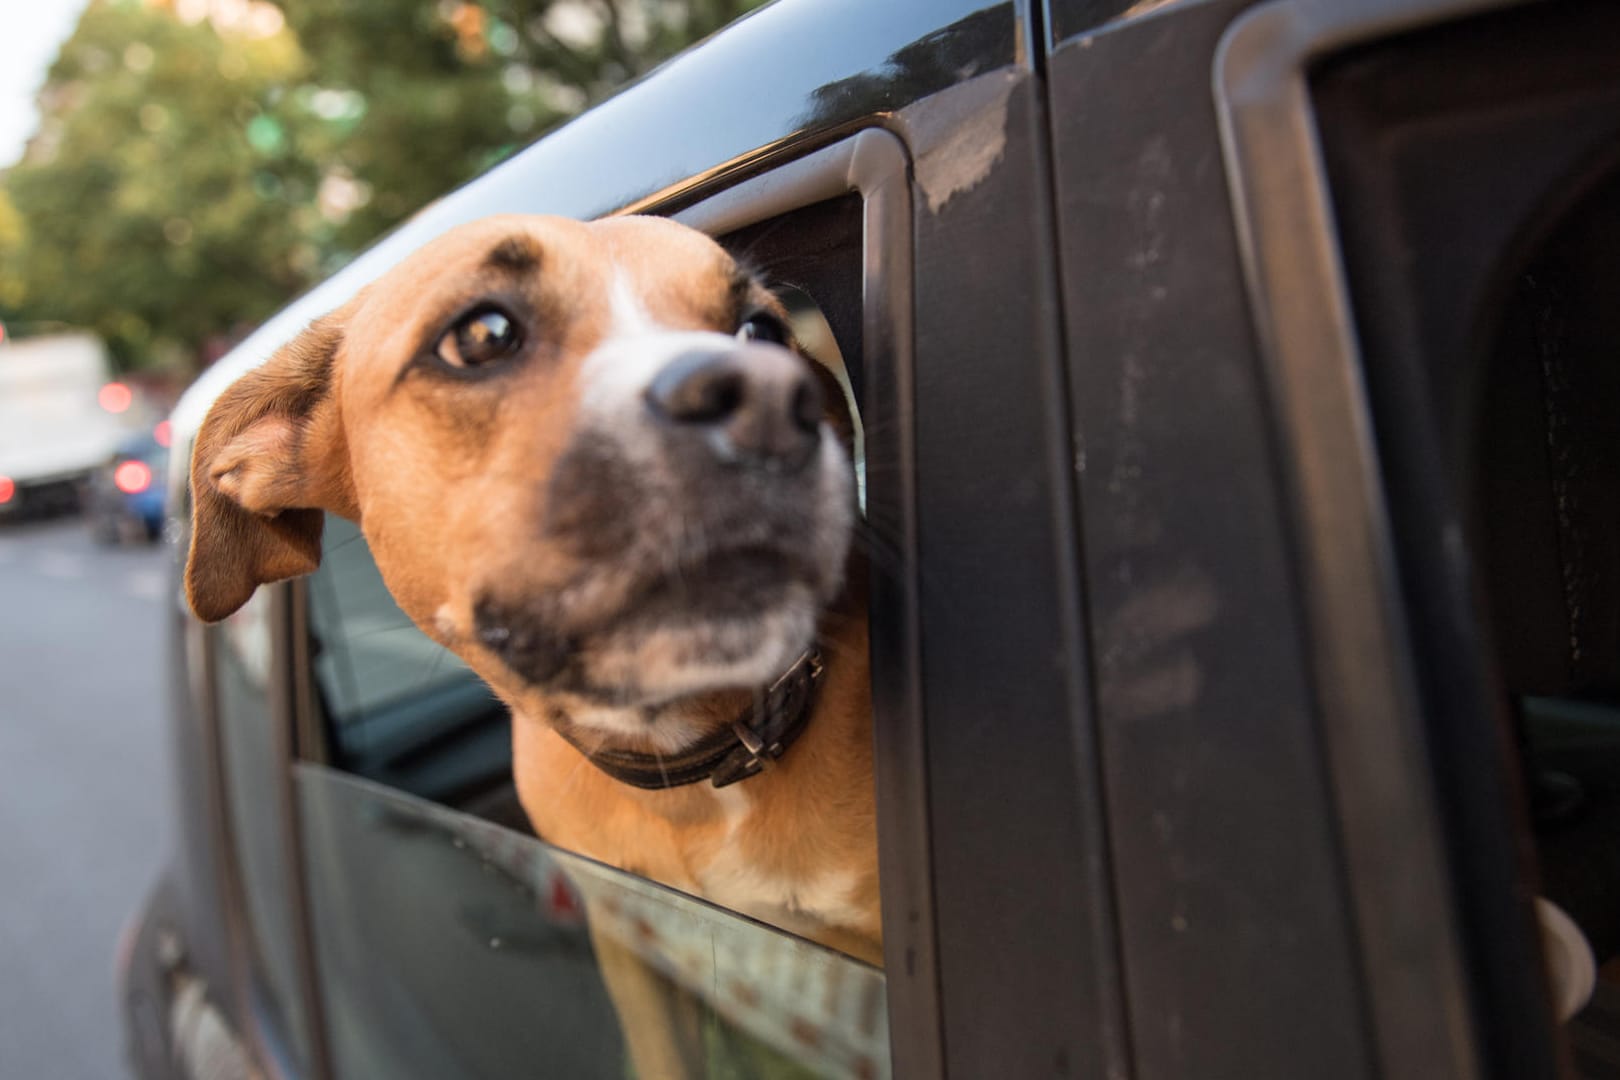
<point>886,556</point>
<point>745,256</point>
<point>582,767</point>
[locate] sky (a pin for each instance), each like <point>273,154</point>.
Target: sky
<point>30,33</point>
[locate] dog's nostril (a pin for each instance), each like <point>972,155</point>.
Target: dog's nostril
<point>713,397</point>
<point>698,388</point>
<point>807,405</point>
<point>755,405</point>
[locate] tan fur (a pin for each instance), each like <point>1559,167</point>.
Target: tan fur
<point>447,482</point>
<point>810,817</point>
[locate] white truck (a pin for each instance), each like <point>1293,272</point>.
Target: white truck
<point>59,418</point>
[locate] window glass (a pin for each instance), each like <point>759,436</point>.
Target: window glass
<point>815,337</point>
<point>1488,342</point>
<point>448,946</point>
<point>1548,499</point>
<point>372,657</point>
<point>399,708</point>
<point>255,761</point>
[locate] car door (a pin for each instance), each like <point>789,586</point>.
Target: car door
<point>899,191</point>
<point>1341,633</point>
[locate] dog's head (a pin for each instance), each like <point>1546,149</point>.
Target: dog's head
<point>587,458</point>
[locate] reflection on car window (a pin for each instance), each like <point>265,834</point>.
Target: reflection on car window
<point>400,708</point>
<point>1547,520</point>
<point>448,946</point>
<point>372,656</point>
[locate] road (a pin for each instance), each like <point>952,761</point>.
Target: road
<point>83,787</point>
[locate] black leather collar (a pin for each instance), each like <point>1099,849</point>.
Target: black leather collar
<point>761,734</point>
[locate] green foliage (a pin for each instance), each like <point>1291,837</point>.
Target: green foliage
<point>138,203</point>
<point>188,178</point>
<point>449,87</point>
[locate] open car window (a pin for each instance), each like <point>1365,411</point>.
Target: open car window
<point>448,940</point>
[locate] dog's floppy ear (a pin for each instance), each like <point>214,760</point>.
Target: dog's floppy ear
<point>267,460</point>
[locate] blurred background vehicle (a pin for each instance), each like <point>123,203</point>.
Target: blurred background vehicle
<point>61,416</point>
<point>123,499</point>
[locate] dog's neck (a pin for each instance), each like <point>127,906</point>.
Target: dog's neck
<point>720,738</point>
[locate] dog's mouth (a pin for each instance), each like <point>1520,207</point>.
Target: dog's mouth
<point>734,619</point>
<point>729,586</point>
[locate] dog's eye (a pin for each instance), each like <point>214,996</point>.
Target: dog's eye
<point>763,327</point>
<point>481,336</point>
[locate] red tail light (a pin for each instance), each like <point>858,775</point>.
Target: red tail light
<point>115,397</point>
<point>7,489</point>
<point>132,477</point>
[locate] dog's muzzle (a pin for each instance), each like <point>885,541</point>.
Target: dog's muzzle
<point>704,509</point>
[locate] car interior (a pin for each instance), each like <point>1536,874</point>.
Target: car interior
<point>1490,364</point>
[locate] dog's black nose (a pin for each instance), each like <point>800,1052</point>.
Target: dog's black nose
<point>755,404</point>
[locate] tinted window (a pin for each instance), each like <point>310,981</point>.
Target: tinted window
<point>1480,222</point>
<point>399,708</point>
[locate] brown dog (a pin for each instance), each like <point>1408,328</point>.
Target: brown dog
<point>588,461</point>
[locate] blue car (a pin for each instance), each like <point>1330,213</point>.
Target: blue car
<point>123,499</point>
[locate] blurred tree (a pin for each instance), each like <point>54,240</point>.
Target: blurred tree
<point>11,240</point>
<point>150,212</point>
<point>449,87</point>
<point>198,162</point>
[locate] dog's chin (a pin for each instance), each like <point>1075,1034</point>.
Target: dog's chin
<point>649,663</point>
<point>688,640</point>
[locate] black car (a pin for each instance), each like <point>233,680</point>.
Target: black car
<point>1240,408</point>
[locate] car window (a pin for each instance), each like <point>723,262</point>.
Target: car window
<point>398,708</point>
<point>371,658</point>
<point>1488,368</point>
<point>448,939</point>
<point>1547,508</point>
<point>256,802</point>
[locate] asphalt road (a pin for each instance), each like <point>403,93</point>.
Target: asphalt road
<point>83,787</point>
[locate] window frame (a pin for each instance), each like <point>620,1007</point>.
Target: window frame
<point>1437,995</point>
<point>271,1047</point>
<point>873,164</point>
